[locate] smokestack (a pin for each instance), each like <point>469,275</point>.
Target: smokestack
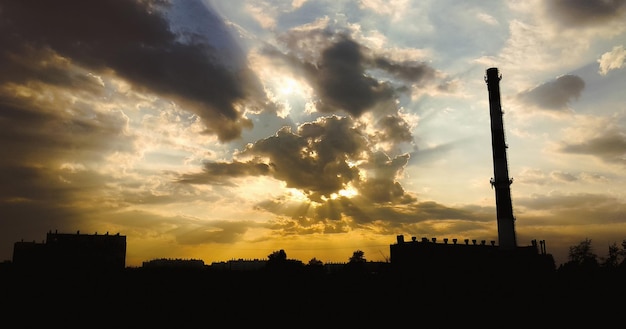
<point>500,181</point>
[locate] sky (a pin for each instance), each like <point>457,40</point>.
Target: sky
<point>222,130</point>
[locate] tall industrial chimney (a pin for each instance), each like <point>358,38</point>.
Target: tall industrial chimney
<point>500,180</point>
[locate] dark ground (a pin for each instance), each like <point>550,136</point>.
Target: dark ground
<point>184,298</point>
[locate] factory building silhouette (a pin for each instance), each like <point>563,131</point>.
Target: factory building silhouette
<point>93,251</point>
<point>451,255</point>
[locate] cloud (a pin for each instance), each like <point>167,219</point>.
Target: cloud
<point>393,8</point>
<point>381,185</point>
<point>321,159</point>
<point>563,176</point>
<point>532,176</point>
<point>213,232</point>
<point>610,146</point>
<point>316,158</point>
<point>612,60</point>
<point>46,124</point>
<point>341,81</point>
<point>220,172</point>
<point>359,213</point>
<point>409,71</point>
<point>575,208</point>
<point>133,40</point>
<point>341,71</point>
<point>391,131</point>
<point>544,33</point>
<point>576,13</point>
<point>486,18</point>
<point>539,177</point>
<point>554,95</point>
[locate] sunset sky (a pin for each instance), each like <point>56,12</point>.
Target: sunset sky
<point>220,130</point>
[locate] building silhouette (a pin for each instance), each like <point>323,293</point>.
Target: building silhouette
<point>66,251</point>
<point>177,263</point>
<point>468,257</point>
<point>479,257</point>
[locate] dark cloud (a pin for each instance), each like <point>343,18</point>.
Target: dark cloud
<point>554,95</point>
<point>415,72</point>
<point>345,214</point>
<point>381,190</point>
<point>448,86</point>
<point>321,158</point>
<point>394,129</point>
<point>363,213</point>
<point>381,185</point>
<point>342,84</point>
<point>338,68</point>
<point>39,134</point>
<point>24,64</point>
<point>219,173</point>
<point>134,40</point>
<point>574,13</point>
<point>610,147</point>
<point>45,129</point>
<point>315,159</point>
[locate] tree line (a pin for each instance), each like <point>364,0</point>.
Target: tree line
<point>583,258</point>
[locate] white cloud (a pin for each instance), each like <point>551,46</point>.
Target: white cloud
<point>612,60</point>
<point>73,167</point>
<point>264,15</point>
<point>392,8</point>
<point>298,3</point>
<point>487,19</point>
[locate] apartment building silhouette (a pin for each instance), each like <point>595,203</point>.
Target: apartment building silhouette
<point>67,251</point>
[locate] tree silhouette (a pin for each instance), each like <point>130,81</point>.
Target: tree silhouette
<point>277,256</point>
<point>612,261</point>
<point>357,257</point>
<point>582,260</point>
<point>356,263</point>
<point>278,262</point>
<point>622,255</point>
<point>582,254</point>
<point>315,266</point>
<point>315,262</point>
